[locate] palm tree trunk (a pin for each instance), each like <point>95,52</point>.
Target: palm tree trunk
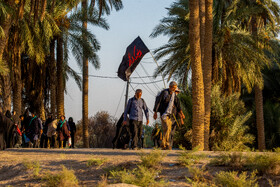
<point>53,78</point>
<point>6,92</point>
<point>17,81</point>
<point>85,84</point>
<point>259,101</point>
<point>260,118</point>
<point>60,76</point>
<point>6,25</point>
<point>197,77</point>
<point>207,70</point>
<point>202,29</point>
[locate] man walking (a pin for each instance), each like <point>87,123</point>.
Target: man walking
<point>134,108</point>
<point>72,131</point>
<point>166,104</point>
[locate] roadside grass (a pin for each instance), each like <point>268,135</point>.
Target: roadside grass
<point>64,178</point>
<point>188,158</point>
<point>153,159</point>
<point>234,160</point>
<point>33,165</point>
<point>201,178</point>
<point>264,163</point>
<point>145,174</point>
<point>96,162</point>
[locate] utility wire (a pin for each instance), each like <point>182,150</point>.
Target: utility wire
<point>156,86</point>
<point>141,83</point>
<point>119,102</point>
<point>151,91</point>
<point>111,77</point>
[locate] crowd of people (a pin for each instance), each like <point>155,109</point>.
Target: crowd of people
<point>130,126</point>
<point>32,132</point>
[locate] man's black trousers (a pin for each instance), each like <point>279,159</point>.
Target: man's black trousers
<point>136,132</point>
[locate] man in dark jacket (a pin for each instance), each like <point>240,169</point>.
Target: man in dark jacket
<point>44,137</point>
<point>166,103</point>
<point>33,130</point>
<point>134,108</point>
<point>72,131</point>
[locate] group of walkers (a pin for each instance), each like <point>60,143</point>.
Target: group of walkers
<point>32,132</point>
<point>167,104</point>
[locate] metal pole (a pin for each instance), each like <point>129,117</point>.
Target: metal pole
<point>126,94</point>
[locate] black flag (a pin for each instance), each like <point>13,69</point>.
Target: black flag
<point>133,55</point>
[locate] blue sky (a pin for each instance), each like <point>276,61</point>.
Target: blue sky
<point>137,18</point>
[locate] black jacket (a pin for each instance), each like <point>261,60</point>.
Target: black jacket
<point>162,101</point>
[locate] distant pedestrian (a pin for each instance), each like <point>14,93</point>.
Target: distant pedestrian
<point>33,130</point>
<point>156,135</point>
<point>134,109</point>
<point>72,131</point>
<point>63,131</point>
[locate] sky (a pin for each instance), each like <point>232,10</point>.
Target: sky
<point>137,18</point>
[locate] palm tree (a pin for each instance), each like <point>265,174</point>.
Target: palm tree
<point>207,69</point>
<point>197,77</point>
<point>85,81</point>
<point>103,5</point>
<point>263,17</point>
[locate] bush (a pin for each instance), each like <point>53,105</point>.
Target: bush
<point>234,160</point>
<point>101,129</point>
<point>188,158</point>
<point>65,178</point>
<point>146,172</point>
<point>96,162</point>
<point>152,159</point>
<point>141,176</point>
<point>35,166</point>
<point>232,179</point>
<point>267,163</point>
<point>228,116</point>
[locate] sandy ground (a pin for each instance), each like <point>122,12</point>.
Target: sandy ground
<point>14,173</point>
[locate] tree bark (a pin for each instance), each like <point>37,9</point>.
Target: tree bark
<point>259,100</point>
<point>53,78</point>
<point>197,77</point>
<point>85,84</point>
<point>207,70</point>
<point>16,71</point>
<point>6,92</point>
<point>6,25</point>
<point>202,29</point>
<point>60,77</point>
<point>260,118</point>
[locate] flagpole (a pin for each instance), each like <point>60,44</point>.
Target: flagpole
<point>158,67</point>
<point>126,94</point>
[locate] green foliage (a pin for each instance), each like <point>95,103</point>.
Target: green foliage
<point>233,160</point>
<point>146,172</point>
<point>152,159</point>
<point>64,178</point>
<point>266,163</point>
<point>228,117</point>
<point>140,176</point>
<point>33,165</point>
<point>233,179</point>
<point>188,158</point>
<point>96,162</point>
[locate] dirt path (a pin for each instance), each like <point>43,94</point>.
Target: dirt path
<point>13,172</point>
